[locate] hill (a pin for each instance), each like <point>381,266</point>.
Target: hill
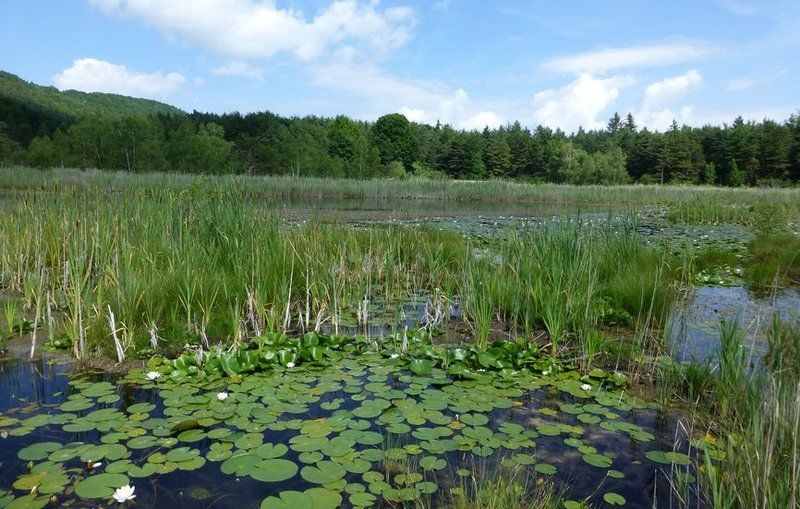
<point>75,103</point>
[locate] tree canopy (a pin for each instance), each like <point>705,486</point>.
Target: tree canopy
<point>41,126</point>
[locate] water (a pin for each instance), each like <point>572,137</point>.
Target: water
<point>39,387</point>
<point>695,324</point>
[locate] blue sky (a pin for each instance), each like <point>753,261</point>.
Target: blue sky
<point>468,63</point>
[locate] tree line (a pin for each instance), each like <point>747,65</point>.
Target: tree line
<point>736,154</point>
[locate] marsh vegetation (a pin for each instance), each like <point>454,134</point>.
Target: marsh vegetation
<point>288,360</point>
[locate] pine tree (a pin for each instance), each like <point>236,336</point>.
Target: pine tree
<point>614,124</point>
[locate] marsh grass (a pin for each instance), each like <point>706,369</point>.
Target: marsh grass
<point>774,259</point>
<point>750,455</point>
<point>487,488</point>
<point>691,203</point>
<point>203,264</point>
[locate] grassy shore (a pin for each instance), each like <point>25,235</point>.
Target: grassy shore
<point>687,203</point>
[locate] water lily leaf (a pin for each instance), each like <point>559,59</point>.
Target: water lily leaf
<point>271,451</point>
<point>432,463</point>
<point>111,452</point>
<point>240,464</point>
<point>38,451</point>
<point>324,472</point>
<point>667,458</point>
<point>273,470</point>
<point>421,367</point>
<point>192,435</point>
<point>317,498</point>
<point>545,468</point>
<point>143,442</point>
<point>363,499</point>
<point>182,454</point>
<point>100,485</point>
<point>76,405</point>
<point>26,502</point>
<point>141,408</point>
<point>612,498</point>
<point>597,460</point>
<point>338,446</point>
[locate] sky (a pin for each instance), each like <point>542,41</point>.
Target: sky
<point>468,63</point>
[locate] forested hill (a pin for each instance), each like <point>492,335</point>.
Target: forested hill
<point>40,126</point>
<point>75,103</point>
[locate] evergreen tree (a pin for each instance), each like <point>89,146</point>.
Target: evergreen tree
<point>614,124</point>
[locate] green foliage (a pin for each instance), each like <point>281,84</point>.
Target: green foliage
<point>115,132</point>
<point>603,168</point>
<point>74,103</point>
<point>200,266</point>
<point>773,259</point>
<point>396,140</point>
<point>709,174</point>
<point>736,178</point>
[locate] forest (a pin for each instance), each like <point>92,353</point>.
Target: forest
<point>42,127</point>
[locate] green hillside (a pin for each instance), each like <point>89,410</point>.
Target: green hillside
<point>76,103</point>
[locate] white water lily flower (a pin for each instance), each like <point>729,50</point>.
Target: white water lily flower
<point>586,387</point>
<point>3,434</point>
<point>290,364</point>
<point>124,494</point>
<point>222,396</point>
<point>394,356</point>
<point>152,375</point>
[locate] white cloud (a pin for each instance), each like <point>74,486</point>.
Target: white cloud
<point>579,103</point>
<point>611,59</point>
<point>657,104</point>
<point>670,88</point>
<point>92,75</point>
<point>240,69</point>
<point>422,101</point>
<point>249,29</point>
<point>483,119</point>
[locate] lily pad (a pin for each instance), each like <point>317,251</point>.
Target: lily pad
<point>100,485</point>
<point>273,470</point>
<point>324,472</point>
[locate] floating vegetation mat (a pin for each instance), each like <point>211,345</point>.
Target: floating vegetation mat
<point>361,431</point>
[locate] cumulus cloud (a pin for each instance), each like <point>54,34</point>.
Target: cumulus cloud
<point>92,75</point>
<point>664,90</point>
<point>579,103</point>
<point>249,29</point>
<point>657,105</point>
<point>423,101</point>
<point>611,59</point>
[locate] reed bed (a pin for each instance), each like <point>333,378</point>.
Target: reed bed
<point>143,269</point>
<point>688,203</point>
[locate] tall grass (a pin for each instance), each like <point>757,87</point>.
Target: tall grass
<point>690,203</point>
<point>752,418</point>
<point>204,264</point>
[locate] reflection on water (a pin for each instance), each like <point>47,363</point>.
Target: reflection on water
<point>695,324</point>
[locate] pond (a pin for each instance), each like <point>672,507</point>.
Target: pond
<point>360,431</point>
<point>695,326</point>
